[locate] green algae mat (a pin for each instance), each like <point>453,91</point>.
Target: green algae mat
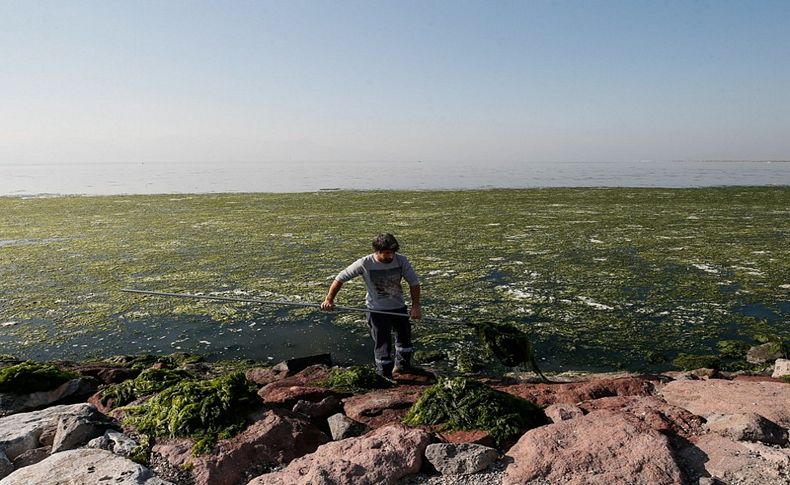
<point>598,278</point>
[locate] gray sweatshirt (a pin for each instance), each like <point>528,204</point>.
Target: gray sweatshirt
<point>383,280</point>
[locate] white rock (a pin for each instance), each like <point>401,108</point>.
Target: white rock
<point>21,432</point>
<point>781,368</point>
<point>84,466</point>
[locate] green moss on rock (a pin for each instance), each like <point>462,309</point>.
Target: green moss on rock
<point>733,349</point>
<point>691,362</point>
<point>150,381</point>
<point>204,410</point>
<point>355,379</point>
<point>464,404</point>
<point>29,376</point>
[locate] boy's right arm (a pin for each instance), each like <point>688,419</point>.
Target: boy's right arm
<point>329,302</point>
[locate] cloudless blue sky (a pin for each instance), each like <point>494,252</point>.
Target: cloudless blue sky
<point>488,81</point>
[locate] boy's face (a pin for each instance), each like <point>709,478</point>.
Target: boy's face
<point>385,256</point>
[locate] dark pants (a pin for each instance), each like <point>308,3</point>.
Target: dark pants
<point>381,327</point>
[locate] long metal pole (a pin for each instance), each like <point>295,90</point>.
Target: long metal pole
<point>285,303</point>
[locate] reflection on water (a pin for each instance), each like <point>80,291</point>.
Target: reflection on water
<point>153,178</point>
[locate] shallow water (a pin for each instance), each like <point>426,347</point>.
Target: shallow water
<point>598,278</point>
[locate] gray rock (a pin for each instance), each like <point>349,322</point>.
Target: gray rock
<point>73,431</point>
<point>327,407</point>
<point>31,457</point>
<point>763,354</point>
<point>24,431</point>
<point>737,462</point>
<point>113,441</point>
<point>342,427</point>
<point>747,427</point>
<point>460,458</point>
<point>781,368</point>
<point>13,403</point>
<point>563,412</point>
<point>84,466</point>
<point>6,466</point>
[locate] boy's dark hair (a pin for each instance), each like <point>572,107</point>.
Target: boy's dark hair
<point>385,242</point>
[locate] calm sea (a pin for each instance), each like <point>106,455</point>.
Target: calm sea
<point>153,178</point>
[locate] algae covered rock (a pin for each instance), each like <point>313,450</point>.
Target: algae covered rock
<point>28,377</point>
<point>150,381</point>
<point>205,410</point>
<point>355,380</point>
<point>464,404</point>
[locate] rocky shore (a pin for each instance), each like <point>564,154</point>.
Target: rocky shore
<point>178,420</point>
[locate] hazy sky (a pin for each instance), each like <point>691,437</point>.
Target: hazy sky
<point>488,81</point>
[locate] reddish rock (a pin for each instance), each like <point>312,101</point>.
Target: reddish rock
<point>653,411</point>
<point>303,386</point>
<point>381,457</point>
<point>603,447</point>
<point>287,397</point>
<point>575,392</point>
<point>756,378</point>
<point>265,375</point>
<point>414,378</point>
<point>104,405</point>
<point>703,398</point>
<point>276,439</point>
<point>106,374</point>
<point>478,437</point>
<point>379,408</point>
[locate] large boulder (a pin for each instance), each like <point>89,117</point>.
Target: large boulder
<point>84,466</point>
<point>575,392</point>
<point>26,431</point>
<point>704,398</point>
<point>380,457</point>
<point>275,439</point>
<point>733,462</point>
<point>17,403</point>
<point>602,447</point>
<point>382,407</point>
<point>653,411</point>
<point>461,458</point>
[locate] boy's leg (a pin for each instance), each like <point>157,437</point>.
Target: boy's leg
<point>403,347</point>
<point>381,333</point>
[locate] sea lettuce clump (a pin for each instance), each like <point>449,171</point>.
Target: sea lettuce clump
<point>205,410</point>
<point>150,381</point>
<point>464,404</point>
<point>355,380</point>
